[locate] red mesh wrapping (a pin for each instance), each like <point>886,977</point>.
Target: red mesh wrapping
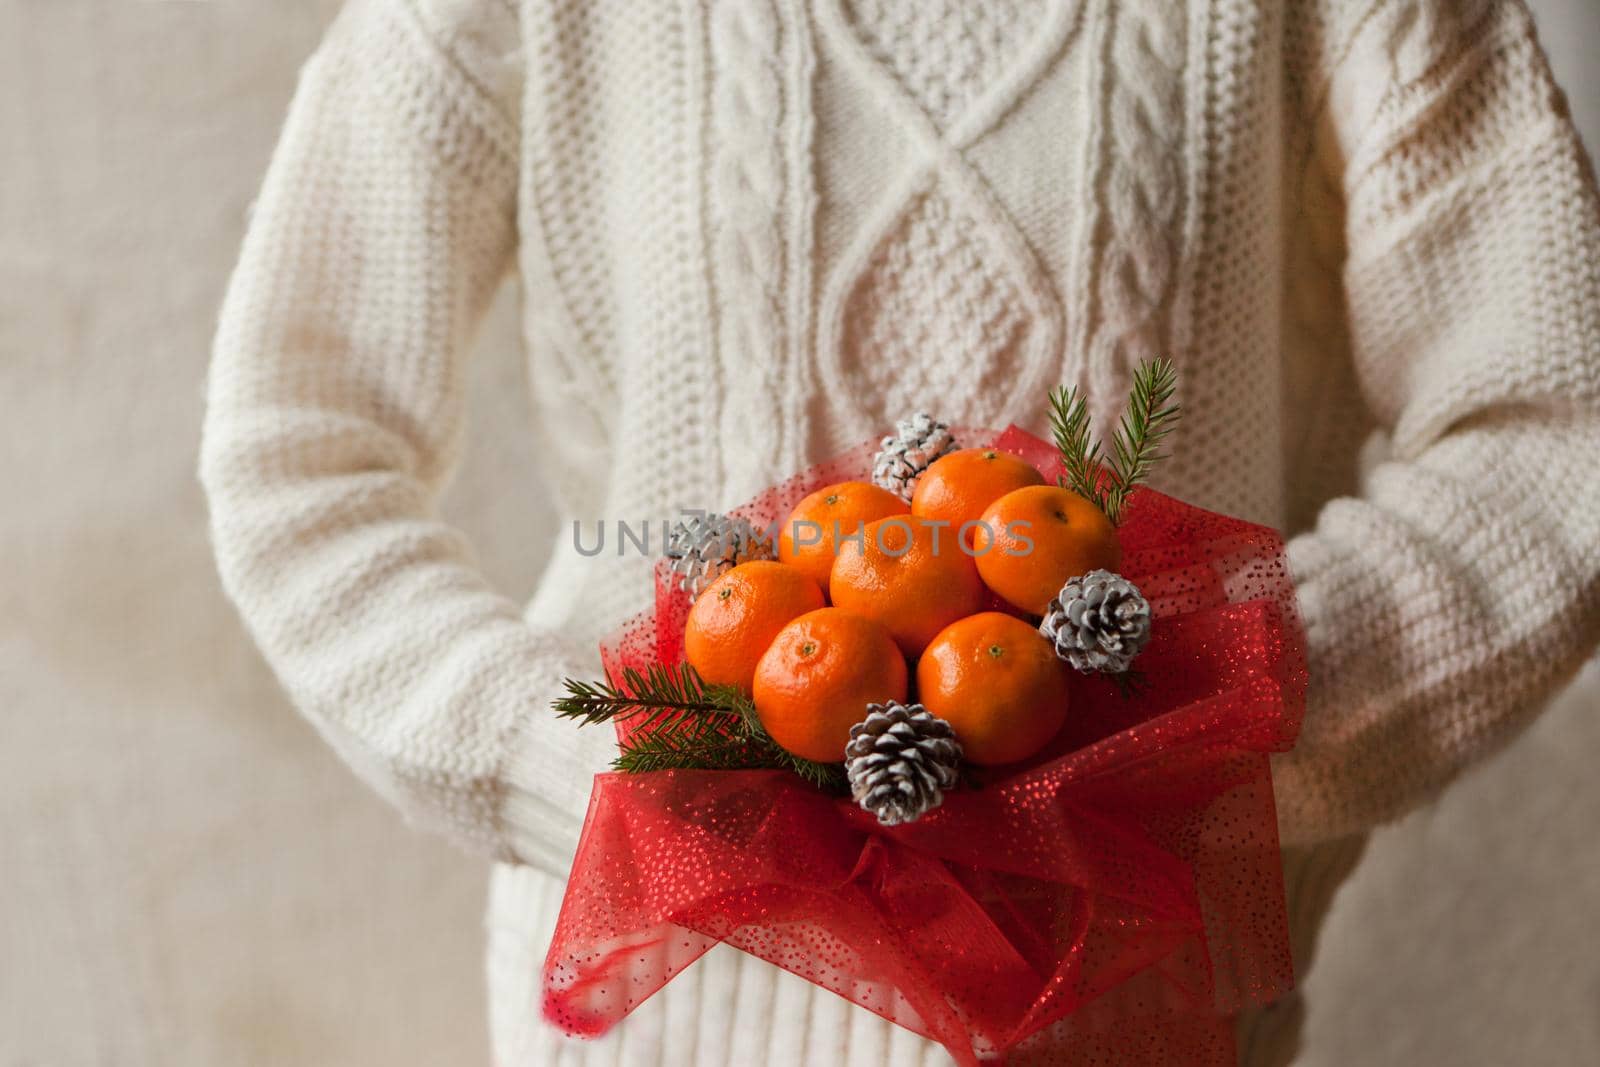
<point>1115,900</point>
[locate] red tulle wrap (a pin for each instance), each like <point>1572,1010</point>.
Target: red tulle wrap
<point>1117,899</point>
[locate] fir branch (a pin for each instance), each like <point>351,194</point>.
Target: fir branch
<point>685,723</point>
<point>828,777</point>
<point>664,750</point>
<point>737,701</point>
<point>656,692</point>
<point>1080,453</point>
<point>1149,417</point>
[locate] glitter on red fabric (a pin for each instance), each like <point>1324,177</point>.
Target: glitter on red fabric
<point>1115,900</point>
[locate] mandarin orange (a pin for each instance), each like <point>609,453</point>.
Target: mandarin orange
<point>1032,540</point>
<point>810,535</point>
<point>959,487</point>
<point>816,679</point>
<point>997,682</point>
<point>734,620</point>
<point>908,574</point>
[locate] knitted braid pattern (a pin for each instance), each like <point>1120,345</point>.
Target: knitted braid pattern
<point>940,265</point>
<point>747,179</point>
<point>1142,192</point>
<point>945,52</point>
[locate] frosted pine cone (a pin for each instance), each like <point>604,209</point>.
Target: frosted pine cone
<point>707,545</point>
<point>909,451</point>
<point>1098,622</point>
<point>900,760</point>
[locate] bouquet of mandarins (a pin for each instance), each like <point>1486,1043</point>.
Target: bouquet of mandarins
<point>976,737</point>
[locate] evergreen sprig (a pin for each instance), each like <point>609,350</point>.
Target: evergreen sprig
<point>685,723</point>
<point>1135,446</point>
<point>655,691</point>
<point>1148,418</point>
<point>1069,424</point>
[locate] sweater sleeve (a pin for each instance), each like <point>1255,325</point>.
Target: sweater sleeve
<point>334,409</point>
<point>1448,601</point>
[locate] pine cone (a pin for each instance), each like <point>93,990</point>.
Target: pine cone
<point>1098,622</point>
<point>909,451</point>
<point>900,760</point>
<point>707,545</point>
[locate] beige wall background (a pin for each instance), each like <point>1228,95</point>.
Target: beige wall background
<point>188,877</point>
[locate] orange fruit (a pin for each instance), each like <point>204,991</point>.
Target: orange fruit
<point>958,488</point>
<point>913,577</point>
<point>819,675</point>
<point>810,535</point>
<point>736,617</point>
<point>1032,540</point>
<point>997,682</point>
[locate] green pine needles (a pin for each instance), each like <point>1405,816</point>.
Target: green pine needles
<point>684,723</point>
<point>1151,413</point>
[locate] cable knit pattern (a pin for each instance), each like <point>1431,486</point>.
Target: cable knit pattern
<point>944,52</point>
<point>941,266</point>
<point>932,287</point>
<point>745,229</point>
<point>1142,194</point>
<point>747,177</point>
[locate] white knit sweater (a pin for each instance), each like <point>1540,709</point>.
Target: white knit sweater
<point>752,232</point>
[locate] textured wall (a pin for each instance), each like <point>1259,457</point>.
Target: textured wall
<point>188,877</point>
